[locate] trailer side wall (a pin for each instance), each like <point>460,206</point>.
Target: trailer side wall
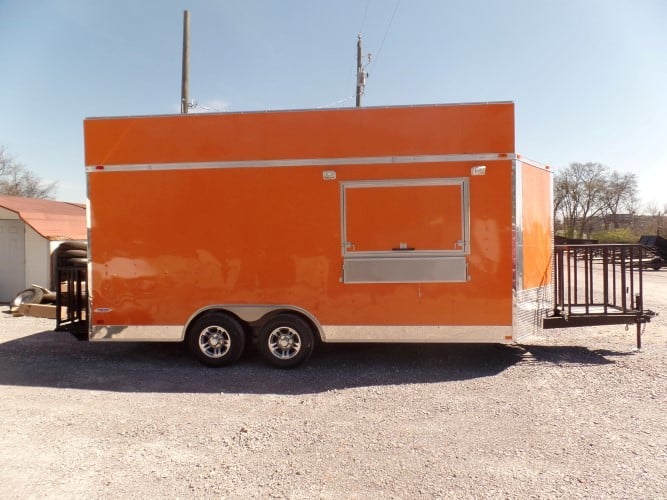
<point>252,211</point>
<point>534,247</point>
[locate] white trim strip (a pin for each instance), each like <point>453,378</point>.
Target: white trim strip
<point>306,110</point>
<point>418,334</point>
<point>532,163</point>
<point>137,333</point>
<point>305,162</point>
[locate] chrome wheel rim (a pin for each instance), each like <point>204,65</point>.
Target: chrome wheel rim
<point>214,341</point>
<point>284,342</point>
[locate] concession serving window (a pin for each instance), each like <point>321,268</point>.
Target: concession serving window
<point>405,231</point>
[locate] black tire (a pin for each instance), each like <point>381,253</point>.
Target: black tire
<point>72,254</point>
<point>66,254</point>
<point>216,339</point>
<point>73,262</point>
<point>77,261</point>
<point>286,341</point>
<point>73,245</point>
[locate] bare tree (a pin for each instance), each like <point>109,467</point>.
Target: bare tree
<point>564,203</point>
<point>579,195</point>
<point>17,180</point>
<point>657,213</point>
<point>620,193</point>
<point>584,192</point>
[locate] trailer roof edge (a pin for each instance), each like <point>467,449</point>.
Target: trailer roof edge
<point>300,110</point>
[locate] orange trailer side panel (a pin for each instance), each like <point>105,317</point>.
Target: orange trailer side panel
<point>367,132</point>
<point>537,226</point>
<point>164,244</point>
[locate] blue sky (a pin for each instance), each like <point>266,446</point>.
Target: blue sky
<point>589,77</point>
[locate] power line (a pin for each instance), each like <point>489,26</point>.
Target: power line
<point>363,19</point>
<point>393,14</point>
<point>361,73</point>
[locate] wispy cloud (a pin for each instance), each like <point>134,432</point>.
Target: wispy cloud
<point>212,106</point>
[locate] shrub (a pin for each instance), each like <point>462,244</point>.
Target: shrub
<point>621,235</point>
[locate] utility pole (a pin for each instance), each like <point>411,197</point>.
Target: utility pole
<point>186,63</point>
<point>361,76</point>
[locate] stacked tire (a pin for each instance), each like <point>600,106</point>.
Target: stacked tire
<point>72,254</point>
<point>71,277</point>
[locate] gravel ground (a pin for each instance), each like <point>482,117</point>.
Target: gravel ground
<point>568,414</point>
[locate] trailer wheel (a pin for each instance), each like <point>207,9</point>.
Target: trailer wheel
<point>286,341</point>
<point>216,339</point>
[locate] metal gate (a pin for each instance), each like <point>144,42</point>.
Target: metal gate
<point>598,285</point>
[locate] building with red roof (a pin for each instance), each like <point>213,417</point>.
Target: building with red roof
<point>30,231</point>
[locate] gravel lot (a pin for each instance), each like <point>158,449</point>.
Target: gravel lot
<point>569,414</point>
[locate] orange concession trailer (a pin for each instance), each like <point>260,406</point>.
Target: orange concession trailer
<point>387,224</point>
